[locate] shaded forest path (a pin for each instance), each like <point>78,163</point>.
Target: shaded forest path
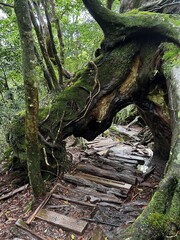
<point>107,188</point>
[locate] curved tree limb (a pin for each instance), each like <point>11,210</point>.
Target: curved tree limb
<point>120,27</point>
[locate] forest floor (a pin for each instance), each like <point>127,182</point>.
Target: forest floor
<point>96,208</point>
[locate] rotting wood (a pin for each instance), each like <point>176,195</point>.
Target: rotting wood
<point>12,193</point>
<point>88,168</point>
<point>117,165</point>
<point>21,224</point>
<point>101,142</point>
<point>95,199</point>
<point>139,159</point>
<point>104,145</point>
<point>60,196</point>
<point>105,204</point>
<point>43,203</point>
<point>89,191</point>
<point>121,192</point>
<point>65,222</point>
<point>123,160</point>
<point>104,166</point>
<point>105,181</point>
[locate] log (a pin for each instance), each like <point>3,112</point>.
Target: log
<point>104,181</point>
<point>67,223</point>
<point>117,165</point>
<point>122,160</point>
<point>106,199</point>
<point>88,191</point>
<point>120,192</point>
<point>60,196</point>
<point>87,168</point>
<point>138,159</point>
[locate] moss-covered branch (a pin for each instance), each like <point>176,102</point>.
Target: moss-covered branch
<point>120,27</point>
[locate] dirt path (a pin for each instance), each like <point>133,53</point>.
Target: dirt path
<point>105,191</point>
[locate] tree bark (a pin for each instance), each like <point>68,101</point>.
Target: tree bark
<point>44,51</point>
<point>109,4</point>
<point>162,6</point>
<point>160,220</point>
<point>31,96</point>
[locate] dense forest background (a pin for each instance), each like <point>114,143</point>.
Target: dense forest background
<point>80,37</point>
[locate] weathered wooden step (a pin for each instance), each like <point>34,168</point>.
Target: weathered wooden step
<point>130,158</point>
<point>88,168</point>
<point>65,222</point>
<point>114,163</point>
<point>120,191</point>
<point>123,160</point>
<point>105,181</point>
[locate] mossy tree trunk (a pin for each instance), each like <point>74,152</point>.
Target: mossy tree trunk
<point>161,218</point>
<point>31,97</point>
<point>137,64</point>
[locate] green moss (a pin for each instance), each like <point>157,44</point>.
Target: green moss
<point>172,54</point>
<point>171,58</point>
<point>159,222</point>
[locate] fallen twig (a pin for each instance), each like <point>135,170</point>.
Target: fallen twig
<point>10,194</point>
<point>43,203</point>
<point>73,200</point>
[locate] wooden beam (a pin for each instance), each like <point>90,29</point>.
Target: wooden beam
<point>88,168</point>
<point>104,181</point>
<point>121,192</point>
<point>67,223</point>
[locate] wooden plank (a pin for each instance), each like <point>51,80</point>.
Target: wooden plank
<point>139,159</point>
<point>116,164</point>
<point>89,191</point>
<point>121,191</point>
<point>104,144</point>
<point>122,160</point>
<point>88,168</point>
<point>65,222</point>
<point>104,181</point>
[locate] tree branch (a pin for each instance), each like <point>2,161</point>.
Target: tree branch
<point>120,27</point>
<point>104,17</point>
<point>155,8</point>
<point>6,5</point>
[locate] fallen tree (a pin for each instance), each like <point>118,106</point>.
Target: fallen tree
<point>138,63</point>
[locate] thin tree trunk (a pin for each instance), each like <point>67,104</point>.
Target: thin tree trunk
<point>47,75</point>
<point>59,33</point>
<point>109,4</point>
<point>44,50</point>
<point>31,97</point>
<point>56,57</point>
